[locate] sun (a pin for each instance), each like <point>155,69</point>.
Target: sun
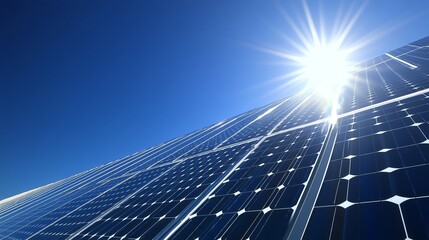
<point>319,63</point>
<point>325,70</point>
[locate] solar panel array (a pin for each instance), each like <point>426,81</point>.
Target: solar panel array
<point>275,172</point>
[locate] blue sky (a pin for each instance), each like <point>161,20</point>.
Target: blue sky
<point>83,83</point>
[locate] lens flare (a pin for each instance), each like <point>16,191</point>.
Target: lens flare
<point>321,63</point>
<point>325,70</point>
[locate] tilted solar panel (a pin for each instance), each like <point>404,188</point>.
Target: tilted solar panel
<point>374,186</point>
<point>279,171</point>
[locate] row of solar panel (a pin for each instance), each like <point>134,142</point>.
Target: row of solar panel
<point>118,199</point>
<point>384,77</point>
<point>40,212</point>
<point>375,185</point>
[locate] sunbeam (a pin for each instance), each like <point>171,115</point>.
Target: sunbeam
<point>321,60</point>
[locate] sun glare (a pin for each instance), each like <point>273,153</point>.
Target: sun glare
<point>325,70</point>
<point>320,61</point>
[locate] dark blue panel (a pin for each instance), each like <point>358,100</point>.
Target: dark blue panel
<point>416,215</point>
<point>379,160</point>
<point>383,78</point>
<point>373,188</point>
<point>379,220</point>
<point>156,205</point>
<point>264,189</point>
<point>43,221</point>
<point>79,217</point>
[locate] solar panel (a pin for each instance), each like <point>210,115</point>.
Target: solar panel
<point>373,187</point>
<point>261,194</point>
<point>153,207</point>
<point>374,184</point>
<point>279,171</point>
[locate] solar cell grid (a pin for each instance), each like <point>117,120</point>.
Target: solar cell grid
<point>261,125</point>
<point>376,171</point>
<point>228,131</point>
<point>64,192</point>
<point>33,225</point>
<point>421,42</point>
<point>163,153</point>
<point>306,111</point>
<point>202,141</point>
<point>386,80</point>
<point>151,209</point>
<point>252,176</point>
<point>417,56</point>
<point>262,193</point>
<point>11,208</point>
<point>82,215</point>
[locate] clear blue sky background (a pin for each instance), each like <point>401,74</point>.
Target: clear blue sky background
<point>83,83</point>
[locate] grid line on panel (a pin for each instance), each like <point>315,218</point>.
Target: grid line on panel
<point>177,224</point>
<point>390,59</point>
<point>156,153</point>
<point>217,149</point>
<point>253,115</point>
<point>421,92</point>
<point>256,119</point>
<point>218,126</point>
<point>34,225</point>
<point>32,210</point>
<point>221,127</point>
<point>412,66</point>
<point>216,140</point>
<point>311,111</point>
<point>161,202</point>
<point>123,181</point>
<point>300,126</point>
<point>123,163</point>
<point>137,157</point>
<point>169,231</point>
<point>290,113</point>
<point>14,201</point>
<point>179,159</point>
<point>267,185</point>
<point>311,192</point>
<point>327,149</point>
<point>54,187</point>
<point>78,218</point>
<point>141,156</point>
<point>369,173</point>
<point>174,226</point>
<point>386,76</point>
<point>188,141</point>
<point>198,136</point>
<point>116,204</point>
